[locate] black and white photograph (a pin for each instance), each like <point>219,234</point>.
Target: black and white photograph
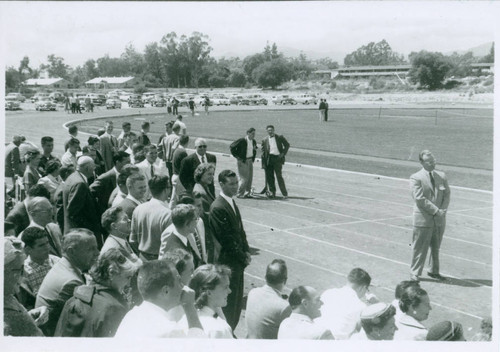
<point>283,170</point>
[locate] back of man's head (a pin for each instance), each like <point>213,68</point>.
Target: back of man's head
<point>184,139</point>
<point>119,156</point>
<point>157,184</point>
<point>153,276</point>
<point>276,273</point>
<point>38,203</point>
<point>38,190</point>
<point>297,295</point>
<point>74,242</point>
<point>176,128</point>
<point>358,277</point>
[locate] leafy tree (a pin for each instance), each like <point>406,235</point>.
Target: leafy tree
<point>111,67</point>
<point>90,69</point>
<point>251,62</point>
<point>24,67</point>
<point>272,73</point>
<point>133,60</point>
<point>429,69</point>
<point>461,64</point>
<point>326,64</point>
<point>154,66</point>
<point>376,54</point>
<point>301,67</point>
<point>490,58</point>
<point>217,81</point>
<point>237,79</point>
<point>57,67</point>
<point>170,58</point>
<point>13,79</point>
<point>198,53</point>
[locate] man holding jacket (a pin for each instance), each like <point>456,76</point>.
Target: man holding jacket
<point>244,150</point>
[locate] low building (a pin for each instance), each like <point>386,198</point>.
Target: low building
<point>111,82</point>
<point>47,83</point>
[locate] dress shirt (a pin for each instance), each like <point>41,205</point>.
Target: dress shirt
<point>34,273</point>
<point>149,320</point>
<point>341,311</point>
<point>273,147</point>
<point>249,148</point>
<point>200,158</point>
<point>113,241</point>
<point>50,182</point>
<point>118,199</point>
<point>213,325</point>
<point>300,326</point>
<point>409,329</point>
<point>68,159</point>
<point>129,196</point>
<point>200,231</point>
<point>229,200</point>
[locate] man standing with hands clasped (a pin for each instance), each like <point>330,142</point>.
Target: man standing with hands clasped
<point>274,149</point>
<point>431,193</point>
<point>244,150</point>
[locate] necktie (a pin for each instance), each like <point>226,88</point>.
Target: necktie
<point>51,241</point>
<point>203,159</point>
<point>432,181</point>
<point>216,315</point>
<point>152,171</point>
<point>198,243</point>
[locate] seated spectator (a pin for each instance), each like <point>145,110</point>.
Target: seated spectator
<point>160,286</point>
<point>36,265</point>
<point>52,180</point>
<point>211,286</point>
<point>416,306</point>
<point>342,306</point>
<point>266,308</point>
<point>96,310</point>
<point>378,323</point>
<point>117,224</point>
<point>79,254</point>
<point>486,330</point>
<point>204,178</point>
<point>398,292</point>
<point>17,321</point>
<point>446,331</point>
<point>305,303</point>
<point>180,233</point>
<point>31,174</point>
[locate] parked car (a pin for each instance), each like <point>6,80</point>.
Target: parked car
<point>125,96</point>
<point>220,99</point>
<point>135,101</point>
<point>45,104</point>
<point>306,99</point>
<point>257,99</point>
<point>57,97</point>
<point>11,103</point>
<point>158,101</point>
<point>283,100</point>
<point>115,93</point>
<point>148,96</point>
<point>16,96</point>
<point>97,99</point>
<point>113,103</point>
<point>39,96</point>
<point>235,99</point>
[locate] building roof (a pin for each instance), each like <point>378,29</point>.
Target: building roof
<point>382,67</point>
<point>111,80</point>
<point>42,81</point>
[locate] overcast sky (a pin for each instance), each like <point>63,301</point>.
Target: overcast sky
<point>84,30</point>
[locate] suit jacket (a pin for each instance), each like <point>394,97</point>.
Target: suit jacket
<point>179,155</point>
<point>428,200</point>
<point>12,161</point>
<point>56,289</point>
<point>80,208</point>
<point>283,147</point>
<point>227,228</point>
<point>239,148</point>
<point>188,165</point>
<point>57,200</point>
<point>109,145</point>
<point>102,188</point>
<point>19,216</point>
<point>128,206</point>
<point>170,241</point>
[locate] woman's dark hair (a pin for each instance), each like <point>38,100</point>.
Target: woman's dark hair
<point>206,278</point>
<point>200,171</point>
<point>52,165</point>
<point>100,270</point>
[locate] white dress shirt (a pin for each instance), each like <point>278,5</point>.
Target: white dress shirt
<point>229,200</point>
<point>300,326</point>
<point>214,327</point>
<point>273,147</point>
<point>249,148</point>
<point>409,329</point>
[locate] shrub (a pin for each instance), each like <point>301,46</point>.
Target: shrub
<point>452,83</point>
<point>488,82</point>
<point>333,85</point>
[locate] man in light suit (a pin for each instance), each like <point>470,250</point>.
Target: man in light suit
<point>274,149</point>
<point>244,150</point>
<point>225,221</point>
<point>80,208</point>
<point>79,254</point>
<point>109,145</point>
<point>431,193</point>
<point>189,164</point>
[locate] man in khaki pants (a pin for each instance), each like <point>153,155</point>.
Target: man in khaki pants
<point>244,150</point>
<point>431,193</point>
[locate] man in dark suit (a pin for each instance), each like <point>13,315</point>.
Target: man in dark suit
<point>431,194</point>
<point>244,150</point>
<point>109,145</point>
<point>104,185</point>
<point>80,208</point>
<point>189,164</point>
<point>79,254</point>
<point>274,149</point>
<point>225,221</point>
<point>13,165</point>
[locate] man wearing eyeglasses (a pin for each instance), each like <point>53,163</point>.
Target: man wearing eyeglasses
<point>189,164</point>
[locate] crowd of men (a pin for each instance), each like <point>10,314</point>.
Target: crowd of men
<point>124,237</point>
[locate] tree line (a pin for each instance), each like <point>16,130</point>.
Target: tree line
<point>186,62</point>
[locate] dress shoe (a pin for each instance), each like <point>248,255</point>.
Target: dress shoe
<point>436,276</point>
<point>285,197</point>
<point>415,278</point>
<point>271,196</point>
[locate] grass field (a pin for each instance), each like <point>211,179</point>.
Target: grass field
<point>461,138</point>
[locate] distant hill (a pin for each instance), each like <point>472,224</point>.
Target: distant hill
<point>478,51</point>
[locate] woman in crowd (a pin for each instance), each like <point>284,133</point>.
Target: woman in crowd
<point>446,331</point>
<point>31,174</point>
<point>415,306</point>
<point>96,310</point>
<point>378,323</point>
<point>204,176</point>
<point>211,285</point>
<point>52,180</point>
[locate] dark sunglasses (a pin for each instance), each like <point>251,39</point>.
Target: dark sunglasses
<point>201,146</point>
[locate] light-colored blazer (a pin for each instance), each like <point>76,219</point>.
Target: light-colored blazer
<point>428,200</point>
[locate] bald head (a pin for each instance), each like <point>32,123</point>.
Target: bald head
<point>80,248</point>
<point>201,146</point>
<point>40,210</point>
<point>276,273</point>
<point>86,165</point>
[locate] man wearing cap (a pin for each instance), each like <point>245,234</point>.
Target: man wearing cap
<point>431,194</point>
<point>378,323</point>
<point>305,303</point>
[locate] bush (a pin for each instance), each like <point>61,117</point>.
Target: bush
<point>488,82</point>
<point>140,89</point>
<point>377,83</point>
<point>333,85</point>
<point>452,83</point>
<point>474,81</point>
